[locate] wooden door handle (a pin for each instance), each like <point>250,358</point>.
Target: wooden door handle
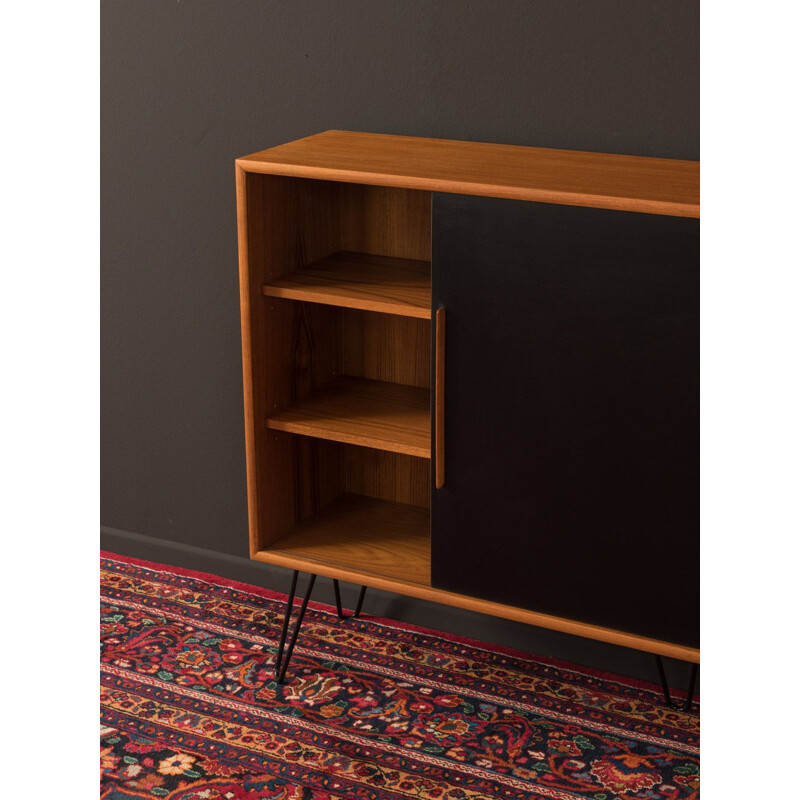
<point>439,398</point>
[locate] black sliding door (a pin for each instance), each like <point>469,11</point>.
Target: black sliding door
<point>571,392</point>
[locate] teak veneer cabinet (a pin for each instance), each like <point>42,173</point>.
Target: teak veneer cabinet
<point>471,375</point>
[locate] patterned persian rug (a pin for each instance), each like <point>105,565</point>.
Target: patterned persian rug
<point>371,709</point>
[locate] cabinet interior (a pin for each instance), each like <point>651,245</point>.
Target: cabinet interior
<point>341,337</point>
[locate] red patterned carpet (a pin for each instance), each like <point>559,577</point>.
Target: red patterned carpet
<point>371,709</point>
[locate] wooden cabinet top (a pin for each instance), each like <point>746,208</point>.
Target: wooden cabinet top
<point>564,177</point>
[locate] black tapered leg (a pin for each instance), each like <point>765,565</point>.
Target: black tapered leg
<point>687,704</point>
<point>339,611</point>
<point>281,663</point>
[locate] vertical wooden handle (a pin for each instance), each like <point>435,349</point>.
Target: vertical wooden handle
<point>439,398</point>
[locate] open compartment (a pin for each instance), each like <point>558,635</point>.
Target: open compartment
<point>343,244</point>
<point>352,508</point>
<point>358,377</point>
<point>338,296</point>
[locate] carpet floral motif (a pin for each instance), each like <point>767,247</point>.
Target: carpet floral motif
<point>371,709</point>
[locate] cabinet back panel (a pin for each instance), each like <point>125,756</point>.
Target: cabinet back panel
<point>293,222</point>
<point>309,473</point>
<point>310,344</point>
<point>388,476</point>
<point>384,347</point>
<point>384,221</point>
<point>572,413</point>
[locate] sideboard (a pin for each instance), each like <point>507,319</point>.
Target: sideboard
<point>471,375</point>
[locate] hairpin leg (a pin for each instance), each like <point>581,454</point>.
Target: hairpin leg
<point>339,611</point>
<point>287,616</point>
<point>281,663</point>
<point>687,704</point>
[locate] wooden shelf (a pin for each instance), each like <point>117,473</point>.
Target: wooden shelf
<point>362,534</point>
<point>357,280</point>
<point>385,416</point>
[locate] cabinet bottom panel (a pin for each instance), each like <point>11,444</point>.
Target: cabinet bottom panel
<point>316,556</point>
<point>365,534</point>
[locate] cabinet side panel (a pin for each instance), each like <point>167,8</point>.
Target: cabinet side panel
<point>571,412</point>
<point>249,212</point>
<point>283,222</point>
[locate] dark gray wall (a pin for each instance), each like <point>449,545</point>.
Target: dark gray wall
<point>189,86</point>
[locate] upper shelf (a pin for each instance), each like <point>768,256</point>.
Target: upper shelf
<point>564,177</point>
<point>357,280</point>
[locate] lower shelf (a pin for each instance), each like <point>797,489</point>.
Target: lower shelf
<point>363,534</point>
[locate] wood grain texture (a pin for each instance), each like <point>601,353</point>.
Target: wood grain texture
<point>387,476</point>
<point>385,347</point>
<point>249,378</point>
<point>368,413</point>
<point>320,470</point>
<point>363,281</point>
<point>261,205</point>
<point>383,220</point>
<point>366,534</point>
<point>564,177</point>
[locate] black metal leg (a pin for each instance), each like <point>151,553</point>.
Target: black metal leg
<point>289,606</point>
<point>687,704</point>
<point>281,663</point>
<point>339,611</point>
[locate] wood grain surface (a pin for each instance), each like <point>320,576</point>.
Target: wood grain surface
<point>384,475</point>
<point>564,177</point>
<point>359,280</point>
<point>368,413</point>
<point>364,533</point>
